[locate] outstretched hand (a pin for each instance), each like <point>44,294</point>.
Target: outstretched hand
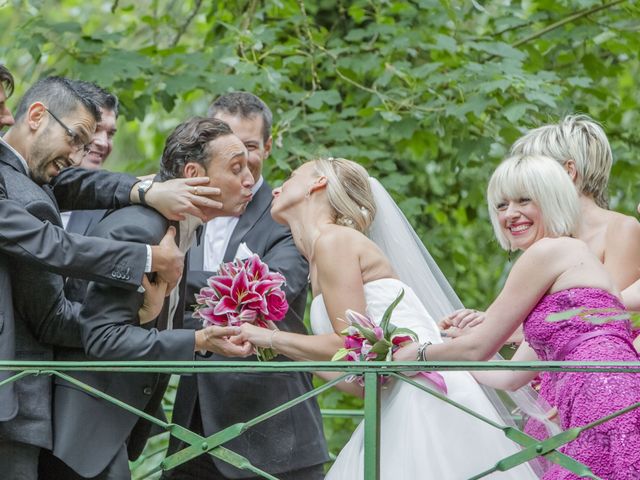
<point>180,196</point>
<point>460,321</point>
<point>168,260</point>
<point>257,336</point>
<point>218,340</point>
<point>407,352</point>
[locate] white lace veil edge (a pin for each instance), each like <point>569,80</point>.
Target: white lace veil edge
<point>415,266</point>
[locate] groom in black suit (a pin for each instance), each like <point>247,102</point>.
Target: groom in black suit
<point>290,445</point>
<point>92,436</point>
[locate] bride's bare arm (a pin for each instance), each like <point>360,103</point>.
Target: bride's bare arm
<point>340,281</point>
<point>510,380</point>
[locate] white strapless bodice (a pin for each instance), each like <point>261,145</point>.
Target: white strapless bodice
<point>421,436</point>
<point>379,294</point>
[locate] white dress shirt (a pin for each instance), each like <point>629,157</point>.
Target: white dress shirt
<point>188,228</point>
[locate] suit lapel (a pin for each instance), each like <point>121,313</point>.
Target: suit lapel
<point>255,210</point>
<point>8,157</point>
<point>49,191</point>
<point>196,253</point>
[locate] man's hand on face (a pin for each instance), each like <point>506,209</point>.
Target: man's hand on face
<point>180,196</point>
<point>168,260</point>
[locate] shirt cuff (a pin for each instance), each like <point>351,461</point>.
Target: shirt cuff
<point>147,266</point>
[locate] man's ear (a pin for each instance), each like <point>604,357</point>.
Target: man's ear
<point>267,148</point>
<point>193,169</point>
<point>570,168</point>
<point>35,115</point>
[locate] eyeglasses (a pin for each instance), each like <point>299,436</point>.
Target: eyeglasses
<point>76,140</point>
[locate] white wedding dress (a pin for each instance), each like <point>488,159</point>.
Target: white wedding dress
<point>422,437</point>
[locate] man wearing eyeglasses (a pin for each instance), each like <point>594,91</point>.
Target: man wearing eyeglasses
<point>53,121</point>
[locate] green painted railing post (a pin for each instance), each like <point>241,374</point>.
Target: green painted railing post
<point>371,426</point>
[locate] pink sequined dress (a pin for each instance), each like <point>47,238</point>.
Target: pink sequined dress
<point>612,449</point>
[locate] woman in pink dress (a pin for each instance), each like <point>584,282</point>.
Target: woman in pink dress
<point>534,207</point>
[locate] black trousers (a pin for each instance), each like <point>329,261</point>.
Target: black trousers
<point>204,468</point>
<point>19,461</point>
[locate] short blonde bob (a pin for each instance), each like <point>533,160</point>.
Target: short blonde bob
<point>578,138</point>
<point>543,181</point>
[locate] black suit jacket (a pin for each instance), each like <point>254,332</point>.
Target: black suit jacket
<point>293,439</point>
<point>88,431</point>
<point>31,234</point>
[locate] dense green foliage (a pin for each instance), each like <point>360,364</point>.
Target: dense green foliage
<point>427,94</point>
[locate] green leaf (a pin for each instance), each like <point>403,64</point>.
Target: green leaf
<point>499,49</point>
<point>328,97</point>
<point>516,111</point>
<point>381,347</point>
<point>565,315</point>
<point>399,331</point>
<point>340,354</point>
<point>390,116</point>
<point>386,317</point>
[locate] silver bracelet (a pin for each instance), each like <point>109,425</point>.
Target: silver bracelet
<point>422,350</point>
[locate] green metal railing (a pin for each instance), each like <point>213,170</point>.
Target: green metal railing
<point>530,447</point>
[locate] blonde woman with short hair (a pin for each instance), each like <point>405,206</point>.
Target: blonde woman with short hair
<point>535,208</point>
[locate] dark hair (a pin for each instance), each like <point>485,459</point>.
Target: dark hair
<point>60,95</point>
<point>246,105</point>
<point>104,99</point>
<point>189,142</point>
<point>6,80</point>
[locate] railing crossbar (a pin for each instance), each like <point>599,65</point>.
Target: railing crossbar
<point>371,371</point>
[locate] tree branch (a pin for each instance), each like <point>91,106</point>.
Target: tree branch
<point>564,21</point>
<point>183,28</point>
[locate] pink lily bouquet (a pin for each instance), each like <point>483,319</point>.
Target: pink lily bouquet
<point>365,341</point>
<point>243,291</point>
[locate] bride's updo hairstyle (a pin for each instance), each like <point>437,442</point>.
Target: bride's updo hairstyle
<point>348,191</point>
<point>541,180</point>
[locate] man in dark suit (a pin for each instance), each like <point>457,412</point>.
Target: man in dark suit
<point>94,157</point>
<point>32,153</point>
<point>291,444</point>
<point>91,435</point>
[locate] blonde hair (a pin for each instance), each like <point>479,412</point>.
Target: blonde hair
<point>348,191</point>
<point>545,183</point>
<point>578,138</point>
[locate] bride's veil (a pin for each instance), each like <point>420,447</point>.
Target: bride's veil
<point>413,264</point>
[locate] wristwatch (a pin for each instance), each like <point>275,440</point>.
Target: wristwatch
<point>143,188</point>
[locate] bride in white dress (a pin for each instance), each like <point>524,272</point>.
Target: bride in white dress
<point>329,204</point>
